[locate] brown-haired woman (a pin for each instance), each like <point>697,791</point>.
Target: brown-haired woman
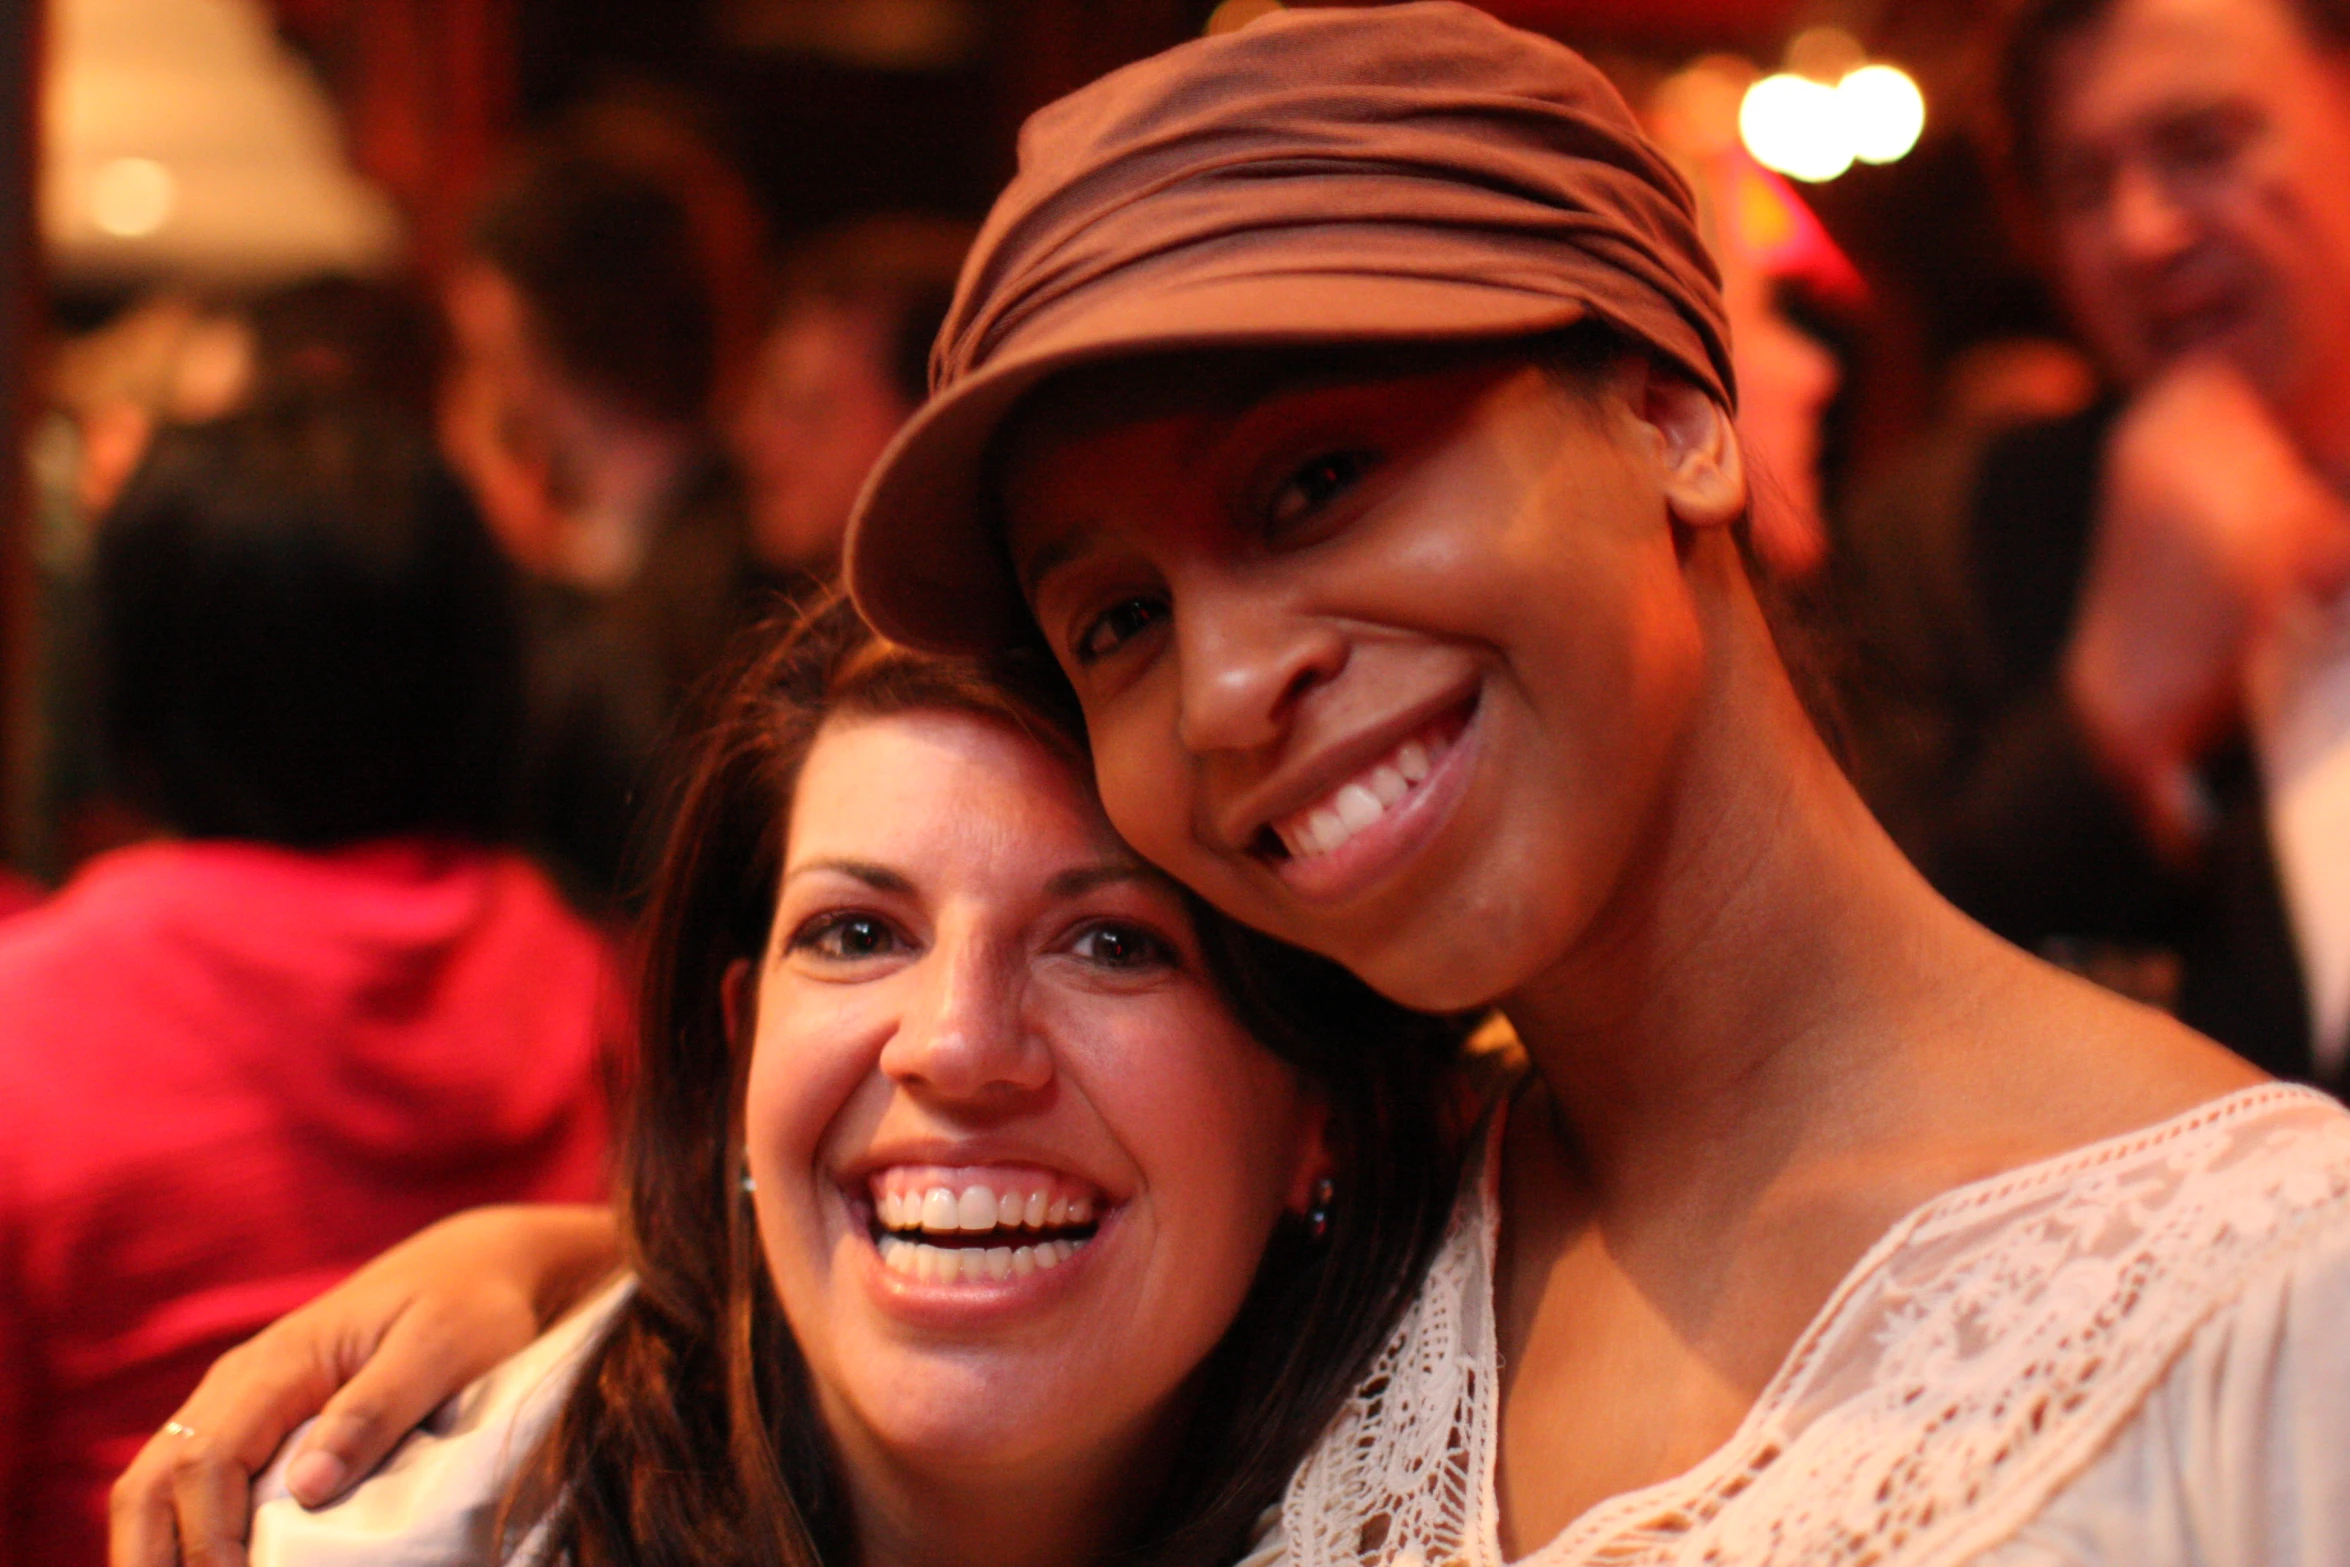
<point>985,1197</point>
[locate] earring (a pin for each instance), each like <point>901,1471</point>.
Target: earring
<point>749,1185</point>
<point>1318,1216</point>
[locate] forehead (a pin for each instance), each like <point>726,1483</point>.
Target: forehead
<point>2146,58</point>
<point>933,783</point>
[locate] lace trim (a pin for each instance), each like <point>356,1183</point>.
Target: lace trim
<point>1983,1351</point>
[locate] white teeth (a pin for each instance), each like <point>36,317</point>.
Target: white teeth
<point>1057,1211</point>
<point>1328,830</point>
<point>972,1264</point>
<point>1358,807</point>
<point>1358,803</point>
<point>1081,1210</point>
<point>1032,1212</point>
<point>976,1211</point>
<point>940,1211</point>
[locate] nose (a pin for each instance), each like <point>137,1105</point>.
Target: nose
<point>1247,656</point>
<point>963,1037</point>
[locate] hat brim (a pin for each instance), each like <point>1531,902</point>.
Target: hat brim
<point>925,561</point>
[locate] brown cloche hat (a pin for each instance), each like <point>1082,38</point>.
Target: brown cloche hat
<point>1407,173</point>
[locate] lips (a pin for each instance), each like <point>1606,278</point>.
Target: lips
<point>1361,801</point>
<point>1375,808</point>
<point>972,1226</point>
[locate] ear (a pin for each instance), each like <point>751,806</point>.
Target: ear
<point>1314,1163</point>
<point>737,998</point>
<point>1697,450</point>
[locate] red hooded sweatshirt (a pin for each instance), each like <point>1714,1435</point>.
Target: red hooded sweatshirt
<point>229,1073</point>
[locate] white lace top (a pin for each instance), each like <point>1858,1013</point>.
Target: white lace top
<point>2135,1353</point>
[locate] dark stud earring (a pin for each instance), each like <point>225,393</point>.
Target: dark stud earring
<point>1318,1216</point>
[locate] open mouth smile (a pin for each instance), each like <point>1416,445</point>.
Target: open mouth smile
<point>1351,833</point>
<point>983,1226</point>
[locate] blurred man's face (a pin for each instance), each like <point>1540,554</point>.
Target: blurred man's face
<point>820,408</point>
<point>2197,178</point>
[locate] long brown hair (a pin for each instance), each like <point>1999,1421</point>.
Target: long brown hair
<point>692,1436</point>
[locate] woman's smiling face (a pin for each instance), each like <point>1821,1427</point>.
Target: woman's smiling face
<point>1391,666</point>
<point>1015,1161</point>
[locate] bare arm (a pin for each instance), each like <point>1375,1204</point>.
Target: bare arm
<point>371,1358</point>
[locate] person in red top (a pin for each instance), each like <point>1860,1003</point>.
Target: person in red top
<point>238,1060</point>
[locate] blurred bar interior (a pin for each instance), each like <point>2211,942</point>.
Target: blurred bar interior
<point>195,154</point>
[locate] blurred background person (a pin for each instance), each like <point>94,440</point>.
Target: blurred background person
<point>328,1006</point>
<point>844,363</point>
<point>600,309</point>
<point>2138,734</point>
<point>171,358</point>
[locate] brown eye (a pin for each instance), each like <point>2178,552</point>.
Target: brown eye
<point>1313,486</point>
<point>1114,627</point>
<point>1117,946</point>
<point>845,938</point>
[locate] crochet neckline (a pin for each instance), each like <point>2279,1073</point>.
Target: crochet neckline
<point>1998,1190</point>
<point>1982,1350</point>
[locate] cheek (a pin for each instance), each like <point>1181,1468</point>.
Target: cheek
<point>1226,1140</point>
<point>811,1060</point>
<point>1144,778</point>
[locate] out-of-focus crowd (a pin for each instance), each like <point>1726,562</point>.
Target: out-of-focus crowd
<point>366,612</point>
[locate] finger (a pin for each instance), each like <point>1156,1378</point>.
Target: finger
<point>211,1499</point>
<point>140,1531</point>
<point>183,1498</point>
<point>424,1359</point>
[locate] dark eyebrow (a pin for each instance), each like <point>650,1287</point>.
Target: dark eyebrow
<point>879,877</point>
<point>1085,878</point>
<point>1051,558</point>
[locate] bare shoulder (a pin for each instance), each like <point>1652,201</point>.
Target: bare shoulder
<point>2075,1063</point>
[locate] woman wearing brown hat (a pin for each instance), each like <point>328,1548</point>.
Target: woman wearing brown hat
<point>1345,403</point>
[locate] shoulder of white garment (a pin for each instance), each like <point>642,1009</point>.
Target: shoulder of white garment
<point>2128,1353</point>
<point>436,1499</point>
<point>2240,1456</point>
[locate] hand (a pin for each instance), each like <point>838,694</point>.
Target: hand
<point>371,1357</point>
<point>2210,522</point>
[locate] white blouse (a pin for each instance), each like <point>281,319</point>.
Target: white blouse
<point>435,1501</point>
<point>2135,1353</point>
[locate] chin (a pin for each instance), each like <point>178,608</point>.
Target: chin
<point>978,1425</point>
<point>1437,977</point>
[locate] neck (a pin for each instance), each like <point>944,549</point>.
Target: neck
<point>1762,964</point>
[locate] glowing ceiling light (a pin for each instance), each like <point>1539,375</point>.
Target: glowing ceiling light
<point>1796,126</point>
<point>1884,113</point>
<point>132,198</point>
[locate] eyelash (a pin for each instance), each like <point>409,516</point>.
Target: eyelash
<point>1316,482</point>
<point>817,936</point>
<point>1089,648</point>
<point>1152,950</point>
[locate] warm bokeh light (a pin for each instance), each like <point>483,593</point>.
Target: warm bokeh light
<point>1884,113</point>
<point>132,198</point>
<point>1796,126</point>
<point>1808,130</point>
